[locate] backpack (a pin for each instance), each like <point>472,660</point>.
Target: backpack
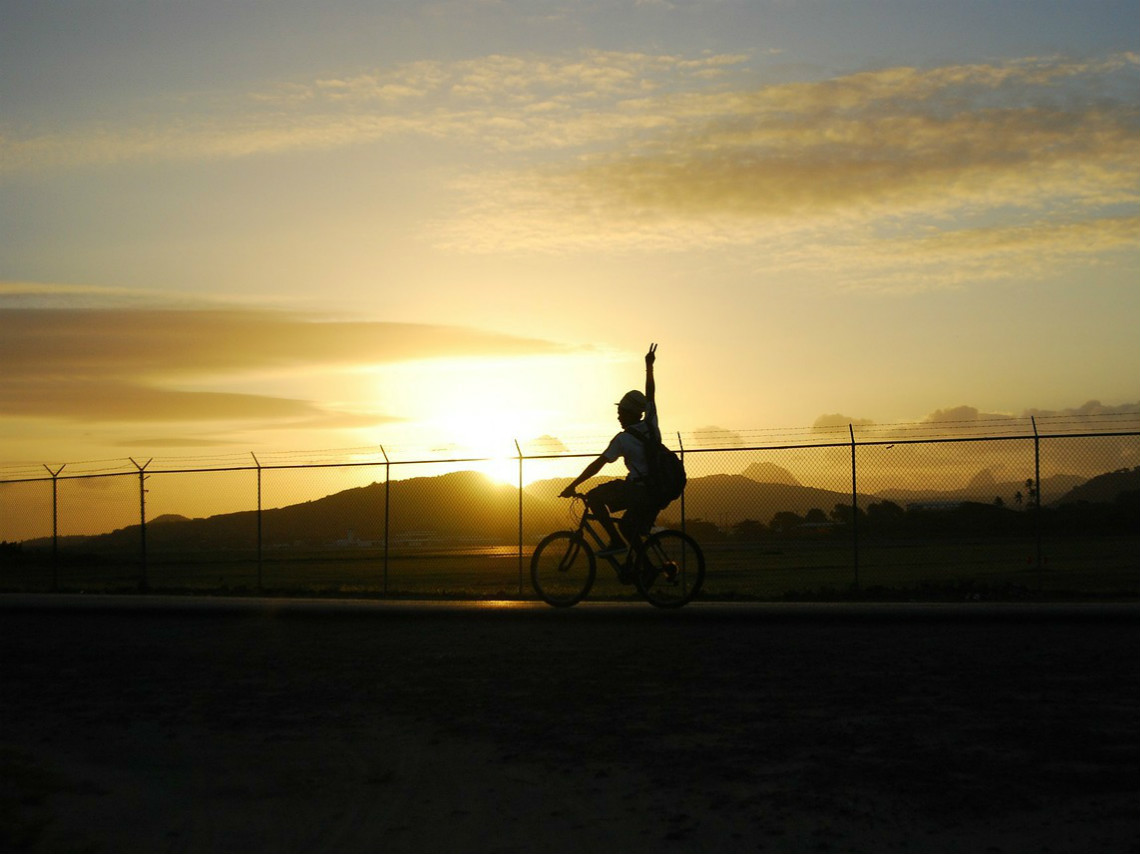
<point>666,471</point>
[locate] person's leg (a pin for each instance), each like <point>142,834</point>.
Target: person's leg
<point>603,498</point>
<point>639,515</point>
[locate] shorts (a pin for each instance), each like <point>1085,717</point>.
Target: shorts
<point>631,496</point>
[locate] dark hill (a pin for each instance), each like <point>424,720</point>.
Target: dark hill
<point>1104,488</point>
<point>456,508</point>
<point>461,507</point>
<point>726,499</point>
<point>465,508</point>
<point>770,473</point>
<point>167,518</point>
<point>983,488</point>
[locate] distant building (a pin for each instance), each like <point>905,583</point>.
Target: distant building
<point>350,542</point>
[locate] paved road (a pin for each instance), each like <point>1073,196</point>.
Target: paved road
<point>697,611</point>
<point>192,724</point>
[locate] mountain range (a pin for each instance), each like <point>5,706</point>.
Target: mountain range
<point>469,508</point>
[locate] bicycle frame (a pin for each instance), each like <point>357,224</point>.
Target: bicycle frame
<point>597,542</point>
<point>667,566</point>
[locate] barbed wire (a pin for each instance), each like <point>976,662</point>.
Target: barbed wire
<point>703,439</point>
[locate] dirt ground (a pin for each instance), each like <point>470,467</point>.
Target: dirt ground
<point>281,728</point>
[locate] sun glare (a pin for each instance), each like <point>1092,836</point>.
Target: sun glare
<point>481,406</point>
<point>500,470</point>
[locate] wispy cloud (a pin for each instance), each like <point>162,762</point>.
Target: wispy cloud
<point>896,178</point>
<point>1054,142</point>
<point>499,103</point>
<point>966,418</point>
<point>901,179</point>
<point>158,364</point>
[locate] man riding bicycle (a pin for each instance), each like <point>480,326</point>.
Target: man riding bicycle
<point>637,413</point>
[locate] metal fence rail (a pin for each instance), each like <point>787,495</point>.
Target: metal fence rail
<point>947,509</point>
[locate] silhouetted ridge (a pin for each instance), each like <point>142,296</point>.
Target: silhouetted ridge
<point>770,473</point>
<point>468,508</point>
<point>1105,488</point>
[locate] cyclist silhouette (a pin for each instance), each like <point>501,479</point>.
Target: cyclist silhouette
<point>637,412</point>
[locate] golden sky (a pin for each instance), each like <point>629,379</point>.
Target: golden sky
<point>275,227</point>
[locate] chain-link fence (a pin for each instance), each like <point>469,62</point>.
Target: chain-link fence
<point>1016,508</point>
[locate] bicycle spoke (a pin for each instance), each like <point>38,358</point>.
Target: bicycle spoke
<point>562,569</point>
<point>671,569</point>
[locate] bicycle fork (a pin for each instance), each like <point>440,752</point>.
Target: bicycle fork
<point>659,564</point>
<point>570,556</point>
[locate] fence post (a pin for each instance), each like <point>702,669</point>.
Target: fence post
<point>257,462</point>
<point>55,525</point>
<point>387,504</point>
<point>854,509</point>
<point>681,448</point>
<point>518,450</point>
<point>1037,498</point>
<point>143,584</point>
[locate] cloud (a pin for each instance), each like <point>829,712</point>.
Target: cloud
<point>957,257</point>
<point>519,81</point>
<point>25,294</point>
<point>545,444</point>
<point>962,415</point>
<point>1024,156</point>
<point>714,436</point>
<point>40,343</point>
<point>1092,408</point>
<point>1092,416</point>
<point>835,420</point>
<point>895,178</point>
<point>696,123</point>
<point>952,445</point>
<point>503,103</point>
<point>203,138</point>
<point>93,398</point>
<point>136,364</point>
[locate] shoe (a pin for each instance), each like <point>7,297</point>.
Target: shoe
<point>612,550</point>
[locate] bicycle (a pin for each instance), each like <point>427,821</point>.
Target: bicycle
<point>667,567</point>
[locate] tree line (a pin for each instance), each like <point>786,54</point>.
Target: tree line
<point>889,519</point>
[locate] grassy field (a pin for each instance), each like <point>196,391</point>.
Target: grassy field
<point>1002,568</point>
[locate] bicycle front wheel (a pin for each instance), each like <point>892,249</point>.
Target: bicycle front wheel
<point>671,569</point>
<point>562,569</point>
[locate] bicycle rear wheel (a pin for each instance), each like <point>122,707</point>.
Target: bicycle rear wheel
<point>562,569</point>
<point>671,569</point>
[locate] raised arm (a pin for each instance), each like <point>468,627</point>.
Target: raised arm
<point>650,383</point>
